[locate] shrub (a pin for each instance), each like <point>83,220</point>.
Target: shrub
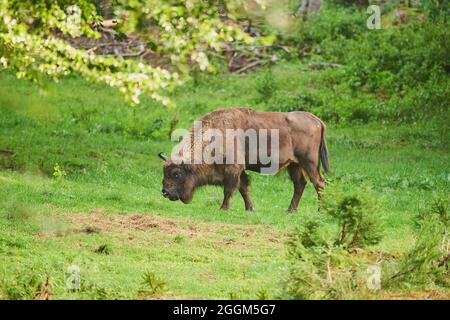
<point>308,236</point>
<point>265,85</point>
<point>332,24</point>
<point>426,263</point>
<point>356,214</point>
<point>178,239</point>
<point>104,249</point>
<point>424,101</point>
<point>284,101</point>
<point>436,9</point>
<point>307,277</point>
<point>408,56</point>
<point>152,285</point>
<point>405,65</point>
<point>321,267</point>
<point>439,210</point>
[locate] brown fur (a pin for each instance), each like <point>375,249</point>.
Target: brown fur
<point>302,148</point>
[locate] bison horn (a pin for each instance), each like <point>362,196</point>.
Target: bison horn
<point>162,156</point>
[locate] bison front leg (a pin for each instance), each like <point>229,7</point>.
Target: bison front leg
<point>243,189</point>
<point>231,183</point>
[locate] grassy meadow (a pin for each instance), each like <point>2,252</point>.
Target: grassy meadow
<point>80,184</point>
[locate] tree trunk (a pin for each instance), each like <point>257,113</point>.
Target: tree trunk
<point>308,6</point>
<point>359,3</point>
<point>363,3</point>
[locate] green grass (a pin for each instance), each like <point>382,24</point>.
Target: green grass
<point>110,179</point>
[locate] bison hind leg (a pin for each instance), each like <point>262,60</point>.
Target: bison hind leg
<point>243,189</point>
<point>313,171</point>
<point>299,181</point>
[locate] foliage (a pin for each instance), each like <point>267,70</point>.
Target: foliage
<point>399,57</point>
<point>152,284</point>
<point>436,9</point>
<point>285,102</point>
<point>109,153</point>
<point>357,217</point>
<point>186,29</point>
<point>104,249</point>
<point>404,66</point>
<point>439,210</point>
<point>58,173</point>
<point>30,45</point>
<point>321,267</point>
<point>332,24</point>
<point>310,275</point>
<point>426,263</point>
<point>265,85</point>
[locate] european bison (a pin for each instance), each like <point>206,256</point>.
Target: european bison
<point>296,142</point>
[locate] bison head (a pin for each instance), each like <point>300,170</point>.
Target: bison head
<point>178,181</point>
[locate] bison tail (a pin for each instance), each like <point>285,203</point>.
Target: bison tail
<point>323,151</point>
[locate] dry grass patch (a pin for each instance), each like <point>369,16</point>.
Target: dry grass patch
<point>131,224</point>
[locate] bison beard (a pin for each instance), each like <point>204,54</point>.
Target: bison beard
<point>301,149</point>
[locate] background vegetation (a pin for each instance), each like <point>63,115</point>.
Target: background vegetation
<point>80,179</point>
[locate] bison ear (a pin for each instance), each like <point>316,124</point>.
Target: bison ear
<point>162,156</point>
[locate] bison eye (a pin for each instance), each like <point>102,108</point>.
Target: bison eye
<point>176,174</point>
